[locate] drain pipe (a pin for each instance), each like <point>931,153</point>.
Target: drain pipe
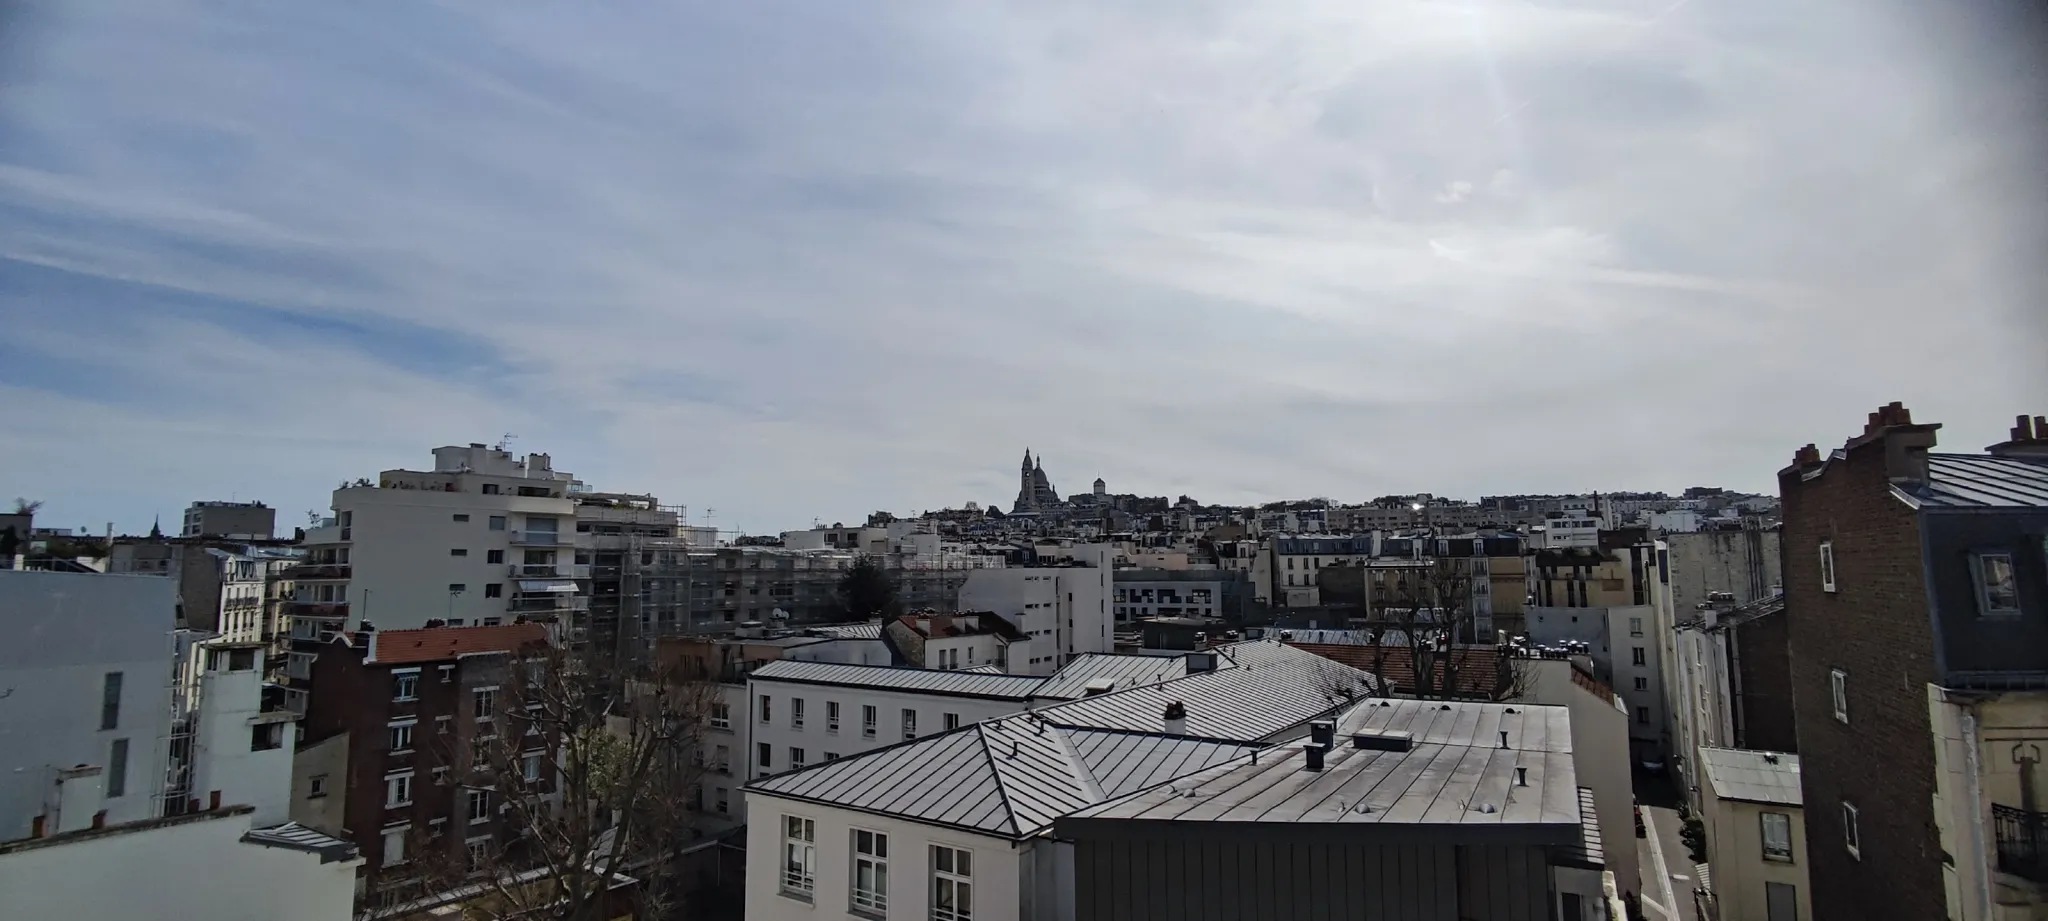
<point>1980,869</point>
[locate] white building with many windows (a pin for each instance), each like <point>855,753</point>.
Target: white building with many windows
<point>805,713</point>
<point>1062,609</point>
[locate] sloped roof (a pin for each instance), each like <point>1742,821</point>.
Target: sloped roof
<point>1009,777</point>
<point>871,630</point>
<point>1072,680</point>
<point>920,680</point>
<point>1272,688</point>
<point>432,644</point>
<point>1771,778</point>
<point>1984,481</point>
<point>1478,667</point>
<point>297,837</point>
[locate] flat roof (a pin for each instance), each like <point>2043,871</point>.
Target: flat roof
<point>1456,773</point>
<point>1770,778</point>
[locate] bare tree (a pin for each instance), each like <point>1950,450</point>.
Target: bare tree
<point>1431,619</point>
<point>588,785</point>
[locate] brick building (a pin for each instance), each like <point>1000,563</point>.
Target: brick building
<point>390,754</point>
<point>1914,580</point>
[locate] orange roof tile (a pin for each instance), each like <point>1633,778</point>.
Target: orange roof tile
<point>399,647</point>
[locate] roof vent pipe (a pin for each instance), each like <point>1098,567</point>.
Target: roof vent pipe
<point>1315,758</point>
<point>1521,776</point>
<point>1503,738</point>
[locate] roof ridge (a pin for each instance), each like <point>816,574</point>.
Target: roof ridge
<point>1089,783</point>
<point>1002,787</point>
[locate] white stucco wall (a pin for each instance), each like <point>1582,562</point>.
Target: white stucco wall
<point>1069,606</point>
<point>996,877</point>
<point>1600,757</point>
<point>399,547</point>
<point>196,868</point>
<point>817,740</point>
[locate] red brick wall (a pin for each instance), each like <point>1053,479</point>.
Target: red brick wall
<point>1876,628</point>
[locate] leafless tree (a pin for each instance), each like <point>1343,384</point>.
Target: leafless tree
<point>589,784</point>
<point>1425,618</point>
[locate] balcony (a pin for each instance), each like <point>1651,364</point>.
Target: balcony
<point>317,609</point>
<point>540,571</point>
<point>306,572</point>
<point>543,538</point>
<point>2020,836</point>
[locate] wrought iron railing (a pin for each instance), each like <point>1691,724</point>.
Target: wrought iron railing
<point>2020,835</point>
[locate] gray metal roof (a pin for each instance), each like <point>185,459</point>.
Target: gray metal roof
<point>1011,776</point>
<point>293,836</point>
<point>1071,681</point>
<point>1272,690</point>
<point>864,631</point>
<point>1983,481</point>
<point>1456,773</point>
<point>919,680</point>
<point>1771,778</point>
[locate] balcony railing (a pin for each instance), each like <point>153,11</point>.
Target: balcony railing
<point>2020,836</point>
<point>317,609</point>
<point>544,538</point>
<point>539,571</point>
<point>310,571</point>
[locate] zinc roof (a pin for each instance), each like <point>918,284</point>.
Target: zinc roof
<point>920,680</point>
<point>1272,689</point>
<point>1771,778</point>
<point>1071,681</point>
<point>1984,481</point>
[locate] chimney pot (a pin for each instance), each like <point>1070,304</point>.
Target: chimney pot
<point>1315,758</point>
<point>1503,738</point>
<point>35,827</point>
<point>213,800</point>
<point>1521,776</point>
<point>99,819</point>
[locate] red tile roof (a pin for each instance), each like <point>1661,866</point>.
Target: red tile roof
<point>1479,667</point>
<point>400,647</point>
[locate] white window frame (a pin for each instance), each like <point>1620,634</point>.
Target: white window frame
<point>796,713</point>
<point>405,684</point>
<point>1827,566</point>
<point>476,800</point>
<point>1838,691</point>
<point>529,766</point>
<point>395,781</point>
<point>952,871</point>
<point>484,701</point>
<point>1783,852</point>
<point>400,735</point>
<point>479,851</point>
<point>796,757</point>
<point>1852,834</point>
<point>721,716</point>
<point>870,715</point>
<point>909,724</point>
<point>832,717</point>
<point>1982,582</point>
<point>869,900</point>
<point>799,856</point>
<point>394,840</point>
<point>1639,657</point>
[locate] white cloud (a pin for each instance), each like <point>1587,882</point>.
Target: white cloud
<point>794,261</point>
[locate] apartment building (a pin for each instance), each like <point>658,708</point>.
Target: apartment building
<point>88,857</point>
<point>929,639</point>
<point>231,520</point>
<point>1756,834</point>
<point>1616,600</point>
<point>1916,594</point>
<point>1730,684</point>
<point>806,713</point>
<point>390,756</point>
<point>1061,606</point>
<point>1742,561</point>
<point>1141,593</point>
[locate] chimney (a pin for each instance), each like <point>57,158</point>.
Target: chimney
<point>1176,719</point>
<point>1199,662</point>
<point>2029,439</point>
<point>1322,733</point>
<point>1315,758</point>
<point>1905,444</point>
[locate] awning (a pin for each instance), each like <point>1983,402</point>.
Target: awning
<point>547,585</point>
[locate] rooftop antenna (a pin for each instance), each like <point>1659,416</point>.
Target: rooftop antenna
<point>505,443</point>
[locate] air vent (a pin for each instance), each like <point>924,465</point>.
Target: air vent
<point>1388,741</point>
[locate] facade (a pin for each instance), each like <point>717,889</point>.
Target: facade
<point>1062,609</point>
<point>1916,592</point>
<point>804,713</point>
<point>1145,593</point>
<point>92,690</point>
<point>411,706</point>
<point>1626,653</point>
<point>1730,683</point>
<point>1756,834</point>
<point>231,520</point>
<point>932,640</point>
<point>1743,562</point>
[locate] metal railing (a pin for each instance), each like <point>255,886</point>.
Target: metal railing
<point>544,538</point>
<point>2020,835</point>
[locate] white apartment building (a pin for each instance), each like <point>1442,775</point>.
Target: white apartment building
<point>482,538</point>
<point>804,713</point>
<point>92,689</point>
<point>1566,532</point>
<point>1062,610</point>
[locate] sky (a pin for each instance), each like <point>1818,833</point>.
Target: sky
<point>797,261</point>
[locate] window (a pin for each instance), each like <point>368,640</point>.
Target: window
<point>1643,715</point>
<point>485,702</point>
<point>909,724</point>
<point>722,763</point>
<point>831,756</point>
<point>497,523</point>
<point>766,754</point>
<point>1850,837</point>
<point>1838,686</point>
<point>494,590</point>
<point>1642,683</point>
<point>316,786</point>
<point>1827,566</point>
<point>721,716</point>
<point>401,736</point>
<point>724,805</point>
<point>457,588</point>
<point>479,852</point>
<point>952,720</point>
<point>1636,656</point>
<point>832,716</point>
<point>1635,626</point>
<point>1997,590</point>
<point>479,805</point>
<point>952,883</point>
<point>110,702</point>
<point>870,871</point>
<point>398,790</point>
<point>796,713</point>
<point>117,768</point>
<point>867,721</point>
<point>461,517</point>
<point>394,845</point>
<point>767,708</point>
<point>458,551</point>
<point>406,686</point>
<point>799,855</point>
<point>1777,833</point>
<point>494,557</point>
<point>796,758</point>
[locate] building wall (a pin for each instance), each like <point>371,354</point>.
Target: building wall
<point>997,876</point>
<point>250,520</point>
<point>191,867</point>
<point>816,739</point>
<point>71,631</point>
<point>1875,628</point>
<point>1066,605</point>
<point>400,543</point>
<point>1983,746</point>
<point>1746,563</point>
<point>1735,848</point>
<point>326,760</point>
<point>1600,755</point>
